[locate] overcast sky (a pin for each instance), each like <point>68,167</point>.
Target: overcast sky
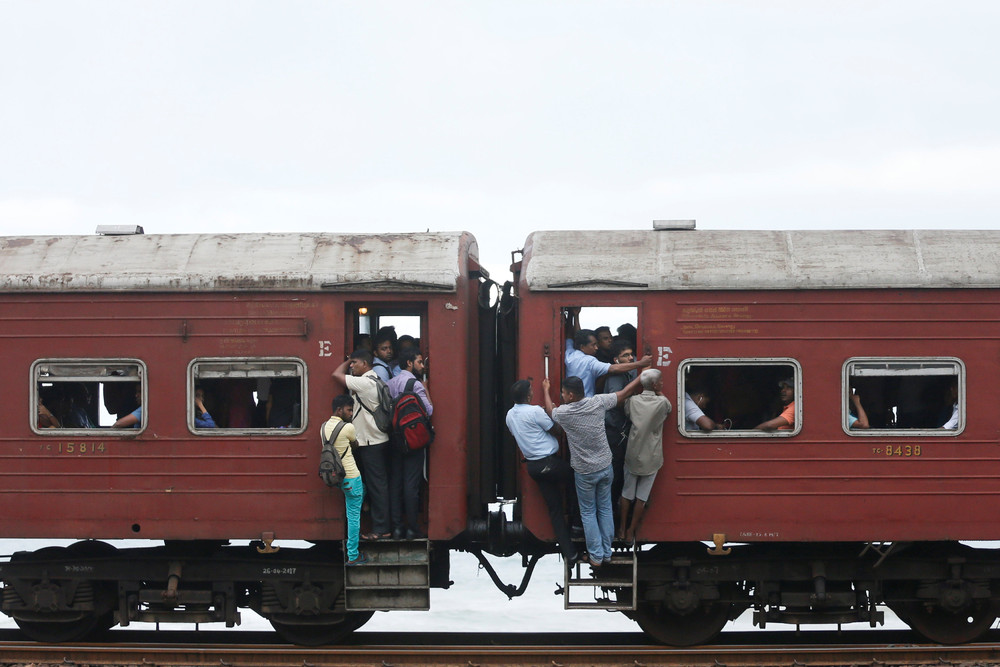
<point>497,117</point>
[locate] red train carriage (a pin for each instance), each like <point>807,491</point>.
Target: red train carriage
<point>823,521</point>
<point>95,326</point>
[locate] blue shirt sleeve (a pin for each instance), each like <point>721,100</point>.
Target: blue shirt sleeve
<point>204,421</point>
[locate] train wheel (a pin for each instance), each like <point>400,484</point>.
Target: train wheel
<point>699,626</point>
<point>60,626</point>
<point>320,633</point>
<point>944,627</point>
<point>105,593</point>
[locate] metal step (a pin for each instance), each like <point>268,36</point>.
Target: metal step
<point>396,576</point>
<point>611,586</point>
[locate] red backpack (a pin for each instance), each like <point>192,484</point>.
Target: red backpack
<point>410,422</point>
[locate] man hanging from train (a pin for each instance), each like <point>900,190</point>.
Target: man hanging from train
<point>352,485</point>
<point>581,355</point>
<point>536,433</point>
<point>786,420</point>
<point>644,454</point>
<point>615,422</point>
<point>406,466</point>
<point>582,418</point>
<point>373,443</point>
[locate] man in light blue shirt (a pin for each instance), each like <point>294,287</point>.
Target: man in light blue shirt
<point>535,433</point>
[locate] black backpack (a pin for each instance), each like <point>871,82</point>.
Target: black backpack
<point>383,412</point>
<point>331,466</point>
<point>410,422</point>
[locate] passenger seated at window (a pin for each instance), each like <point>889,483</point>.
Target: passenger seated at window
<point>68,403</point>
<point>952,422</point>
<point>134,418</point>
<point>786,420</point>
<point>46,419</point>
<point>283,403</point>
<point>857,418</point>
<point>234,405</point>
<point>695,418</point>
<point>119,397</point>
<point>201,417</point>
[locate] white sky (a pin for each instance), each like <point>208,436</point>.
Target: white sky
<point>497,117</point>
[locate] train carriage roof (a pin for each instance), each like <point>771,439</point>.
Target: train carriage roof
<point>745,260</point>
<point>187,262</point>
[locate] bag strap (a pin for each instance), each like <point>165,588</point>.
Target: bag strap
<point>361,401</point>
<point>329,442</point>
<point>409,384</point>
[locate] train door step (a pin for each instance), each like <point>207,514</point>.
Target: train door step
<point>611,586</point>
<point>396,576</point>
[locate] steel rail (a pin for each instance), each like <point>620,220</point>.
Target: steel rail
<point>271,655</point>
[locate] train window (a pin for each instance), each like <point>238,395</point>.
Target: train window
<point>904,396</point>
<point>739,397</point>
<point>86,395</point>
<point>241,395</point>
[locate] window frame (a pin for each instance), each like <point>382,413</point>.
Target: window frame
<point>902,432</point>
<point>737,361</point>
<point>102,431</point>
<point>265,431</point>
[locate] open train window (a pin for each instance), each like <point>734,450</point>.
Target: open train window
<point>739,397</point>
<point>904,396</point>
<point>84,396</point>
<point>246,394</point>
<point>404,323</point>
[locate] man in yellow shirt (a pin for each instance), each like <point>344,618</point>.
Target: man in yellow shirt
<point>352,486</point>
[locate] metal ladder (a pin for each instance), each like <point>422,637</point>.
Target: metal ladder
<point>618,578</point>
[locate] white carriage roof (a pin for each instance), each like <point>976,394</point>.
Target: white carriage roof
<point>187,262</point>
<point>744,260</point>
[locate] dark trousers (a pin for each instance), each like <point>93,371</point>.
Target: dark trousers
<point>406,472</point>
<point>553,474</point>
<point>618,447</point>
<point>375,472</point>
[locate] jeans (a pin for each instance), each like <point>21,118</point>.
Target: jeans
<point>593,491</point>
<point>354,494</point>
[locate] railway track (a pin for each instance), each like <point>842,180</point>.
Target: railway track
<point>783,649</point>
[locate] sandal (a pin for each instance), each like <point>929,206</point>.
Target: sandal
<point>376,536</point>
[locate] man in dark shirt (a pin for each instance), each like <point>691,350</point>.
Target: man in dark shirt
<point>615,422</point>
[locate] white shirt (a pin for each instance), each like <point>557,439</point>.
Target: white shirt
<point>363,388</point>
